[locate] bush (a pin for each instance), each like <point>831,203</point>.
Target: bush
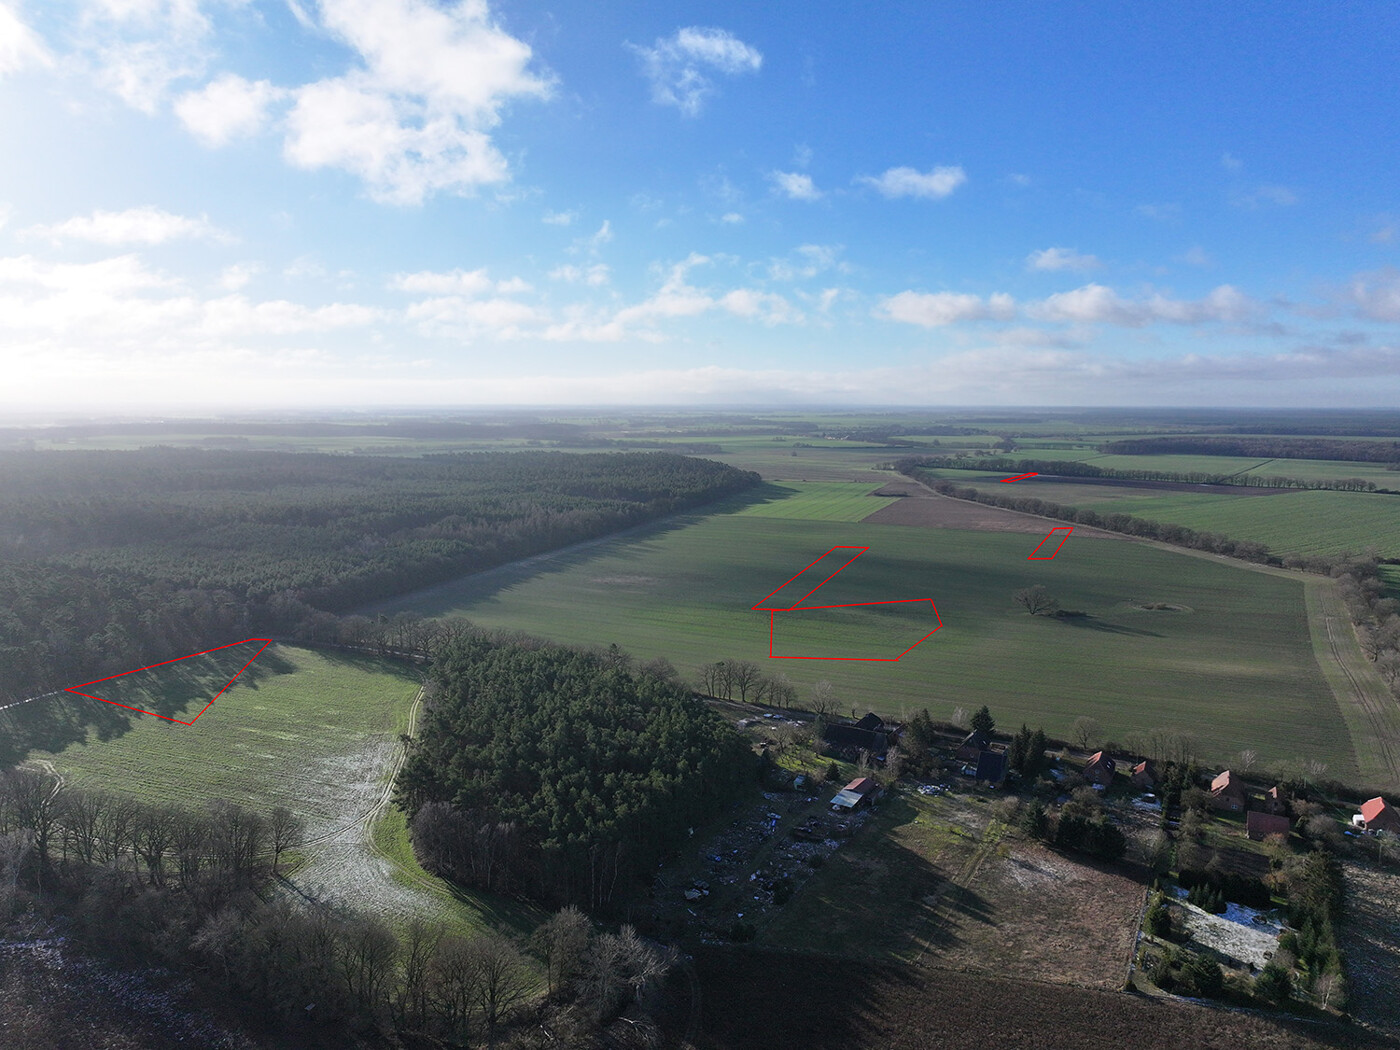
<point>1159,917</point>
<point>742,931</point>
<point>1203,976</point>
<point>1274,984</point>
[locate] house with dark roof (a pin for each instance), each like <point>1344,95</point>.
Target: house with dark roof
<point>972,746</point>
<point>991,767</point>
<point>1144,775</point>
<point>1378,815</point>
<point>1100,769</point>
<point>850,738</point>
<point>859,792</point>
<point>1260,825</point>
<point>1227,793</point>
<point>1275,801</point>
<point>871,721</point>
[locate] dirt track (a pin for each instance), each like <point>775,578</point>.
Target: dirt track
<point>932,511</point>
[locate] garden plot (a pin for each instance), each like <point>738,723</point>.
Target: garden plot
<point>1244,936</point>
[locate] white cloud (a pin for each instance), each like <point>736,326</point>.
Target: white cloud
<point>678,66</point>
<point>942,308</point>
<point>594,276</point>
<point>1017,179</point>
<point>20,46</point>
<point>1230,162</point>
<point>226,108</point>
<point>1376,295</point>
<point>559,218</point>
<point>238,275</point>
<point>795,185</point>
<point>907,182</point>
<point>414,120</point>
<point>1281,196</point>
<point>460,317</point>
<point>145,225</point>
<point>807,261</point>
<point>732,218</point>
<point>1054,259</point>
<point>1097,304</point>
<point>1196,256</point>
<point>120,274</point>
<point>234,315</point>
<point>450,282</point>
<point>1161,212</point>
<point>603,236</point>
<point>139,48</point>
<point>5,211</point>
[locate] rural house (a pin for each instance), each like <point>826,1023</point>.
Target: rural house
<point>1275,801</point>
<point>1099,769</point>
<point>1260,825</point>
<point>860,791</point>
<point>871,734</point>
<point>1144,775</point>
<point>972,746</point>
<point>991,767</point>
<point>1378,815</point>
<point>1227,793</point>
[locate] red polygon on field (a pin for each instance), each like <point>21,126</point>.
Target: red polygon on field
<point>97,681</point>
<point>1035,555</point>
<point>773,610</point>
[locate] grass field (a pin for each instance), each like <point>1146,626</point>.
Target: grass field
<point>816,501</point>
<point>1235,664</point>
<point>314,730</point>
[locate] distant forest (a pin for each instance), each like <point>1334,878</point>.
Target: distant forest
<point>110,560</point>
<point>1264,447</point>
<point>559,774</point>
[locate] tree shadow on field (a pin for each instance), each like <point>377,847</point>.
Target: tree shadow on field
<point>1091,623</point>
<point>443,597</point>
<point>178,689</point>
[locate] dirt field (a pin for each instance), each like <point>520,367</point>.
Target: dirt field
<point>1370,935</point>
<point>791,1001</point>
<point>932,511</point>
<point>940,881</point>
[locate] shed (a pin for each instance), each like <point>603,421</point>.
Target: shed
<point>1261,825</point>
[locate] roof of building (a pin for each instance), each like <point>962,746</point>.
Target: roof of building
<point>850,736</point>
<point>1225,783</point>
<point>1256,821</point>
<point>1098,758</point>
<point>862,786</point>
<point>1275,793</point>
<point>1373,808</point>
<point>847,799</point>
<point>991,766</point>
<point>1146,766</point>
<point>870,720</point>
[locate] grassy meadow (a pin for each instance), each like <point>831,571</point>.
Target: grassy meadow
<point>1234,662</point>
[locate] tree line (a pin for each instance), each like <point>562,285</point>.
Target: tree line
<point>193,890</point>
<point>559,774</point>
<point>1073,469</point>
<point>1261,447</point>
<point>110,560</point>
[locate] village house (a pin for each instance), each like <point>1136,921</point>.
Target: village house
<point>1378,815</point>
<point>1275,801</point>
<point>1099,769</point>
<point>1227,793</point>
<point>991,767</point>
<point>1144,775</point>
<point>972,746</point>
<point>871,734</point>
<point>1260,825</point>
<point>861,791</point>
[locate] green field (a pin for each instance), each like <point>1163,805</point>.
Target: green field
<point>313,730</point>
<point>816,501</point>
<point>1234,664</point>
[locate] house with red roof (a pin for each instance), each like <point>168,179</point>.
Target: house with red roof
<point>1144,775</point>
<point>1227,793</point>
<point>1378,815</point>
<point>1100,769</point>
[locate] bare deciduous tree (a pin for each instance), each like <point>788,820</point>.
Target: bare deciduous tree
<point>824,699</point>
<point>562,941</point>
<point>1248,758</point>
<point>1086,732</point>
<point>1036,600</point>
<point>747,678</point>
<point>502,980</point>
<point>287,831</point>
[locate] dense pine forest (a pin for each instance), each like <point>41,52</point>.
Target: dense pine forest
<point>560,774</point>
<point>110,560</point>
<point>1267,447</point>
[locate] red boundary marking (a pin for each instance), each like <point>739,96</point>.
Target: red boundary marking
<point>773,612</point>
<point>1020,477</point>
<point>83,685</point>
<point>1050,557</point>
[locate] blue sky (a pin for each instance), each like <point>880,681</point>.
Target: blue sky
<point>232,203</point>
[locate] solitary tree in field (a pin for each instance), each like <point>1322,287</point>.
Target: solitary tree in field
<point>1086,732</point>
<point>983,722</point>
<point>1036,600</point>
<point>1248,757</point>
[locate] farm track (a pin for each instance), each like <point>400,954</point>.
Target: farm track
<point>940,916</point>
<point>1375,709</point>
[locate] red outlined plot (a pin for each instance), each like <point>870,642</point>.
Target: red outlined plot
<point>97,681</point>
<point>1035,555</point>
<point>766,605</point>
<point>1019,477</point>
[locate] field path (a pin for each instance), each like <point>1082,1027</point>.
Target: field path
<point>1371,713</point>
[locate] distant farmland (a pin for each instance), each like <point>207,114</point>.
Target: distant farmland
<point>1234,662</point>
